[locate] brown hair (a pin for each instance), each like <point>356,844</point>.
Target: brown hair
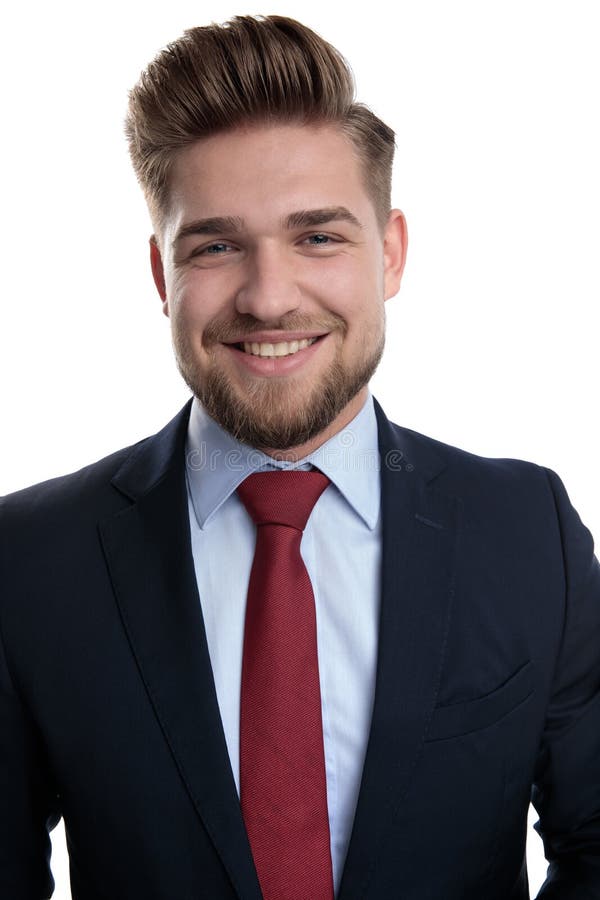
<point>250,69</point>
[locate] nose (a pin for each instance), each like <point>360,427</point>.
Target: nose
<point>269,289</point>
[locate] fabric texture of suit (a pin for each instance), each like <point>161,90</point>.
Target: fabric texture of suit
<point>488,683</point>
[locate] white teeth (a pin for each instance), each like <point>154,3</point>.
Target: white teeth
<point>283,348</point>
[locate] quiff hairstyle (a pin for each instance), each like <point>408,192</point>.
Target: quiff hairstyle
<point>249,70</point>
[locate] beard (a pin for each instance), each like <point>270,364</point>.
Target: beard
<point>276,413</point>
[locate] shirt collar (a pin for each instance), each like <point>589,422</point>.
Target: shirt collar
<point>216,463</point>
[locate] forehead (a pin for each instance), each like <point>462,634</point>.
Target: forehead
<point>268,171</point>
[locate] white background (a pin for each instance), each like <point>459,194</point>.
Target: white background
<point>492,341</point>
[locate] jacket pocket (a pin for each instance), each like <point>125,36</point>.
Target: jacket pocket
<point>473,715</point>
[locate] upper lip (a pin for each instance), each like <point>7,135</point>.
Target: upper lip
<point>276,337</point>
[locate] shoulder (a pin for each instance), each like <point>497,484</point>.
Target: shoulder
<point>514,503</point>
<point>495,493</point>
<point>96,489</point>
<point>69,498</point>
<point>466,473</point>
<point>503,493</point>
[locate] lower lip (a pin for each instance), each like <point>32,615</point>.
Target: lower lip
<point>270,366</point>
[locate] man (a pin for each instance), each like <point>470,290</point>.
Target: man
<point>285,648</point>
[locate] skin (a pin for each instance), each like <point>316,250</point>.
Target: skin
<point>267,277</point>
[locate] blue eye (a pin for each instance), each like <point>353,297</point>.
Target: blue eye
<point>216,248</point>
<point>319,239</point>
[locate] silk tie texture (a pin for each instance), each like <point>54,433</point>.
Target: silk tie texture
<point>283,790</point>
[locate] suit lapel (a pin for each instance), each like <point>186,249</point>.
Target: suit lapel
<point>419,532</point>
<point>148,552</point>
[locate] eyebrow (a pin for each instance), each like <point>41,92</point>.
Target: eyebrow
<point>311,217</point>
<point>304,218</point>
<point>214,225</point>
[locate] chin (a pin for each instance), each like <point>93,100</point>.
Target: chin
<point>275,415</point>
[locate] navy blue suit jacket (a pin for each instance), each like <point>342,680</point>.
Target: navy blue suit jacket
<point>487,693</point>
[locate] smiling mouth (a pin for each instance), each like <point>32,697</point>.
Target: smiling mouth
<point>281,348</point>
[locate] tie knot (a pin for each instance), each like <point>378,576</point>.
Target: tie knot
<point>283,497</point>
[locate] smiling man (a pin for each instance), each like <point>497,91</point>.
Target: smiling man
<point>285,648</point>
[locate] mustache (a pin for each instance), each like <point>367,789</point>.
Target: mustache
<point>222,332</point>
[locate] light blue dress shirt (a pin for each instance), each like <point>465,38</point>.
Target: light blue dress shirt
<point>341,549</point>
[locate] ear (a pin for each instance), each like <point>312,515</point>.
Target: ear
<point>395,243</point>
<point>158,273</point>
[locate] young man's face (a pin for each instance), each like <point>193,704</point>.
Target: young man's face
<point>271,242</point>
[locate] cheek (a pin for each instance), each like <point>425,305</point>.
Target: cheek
<point>188,322</point>
<point>203,294</point>
<point>366,327</point>
<point>337,280</point>
<point>191,308</point>
<point>350,283</point>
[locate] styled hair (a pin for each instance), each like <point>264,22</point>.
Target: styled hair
<point>249,70</point>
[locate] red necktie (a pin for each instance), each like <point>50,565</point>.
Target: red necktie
<point>283,790</point>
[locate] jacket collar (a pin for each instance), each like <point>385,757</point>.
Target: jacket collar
<point>151,459</point>
<point>400,449</point>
